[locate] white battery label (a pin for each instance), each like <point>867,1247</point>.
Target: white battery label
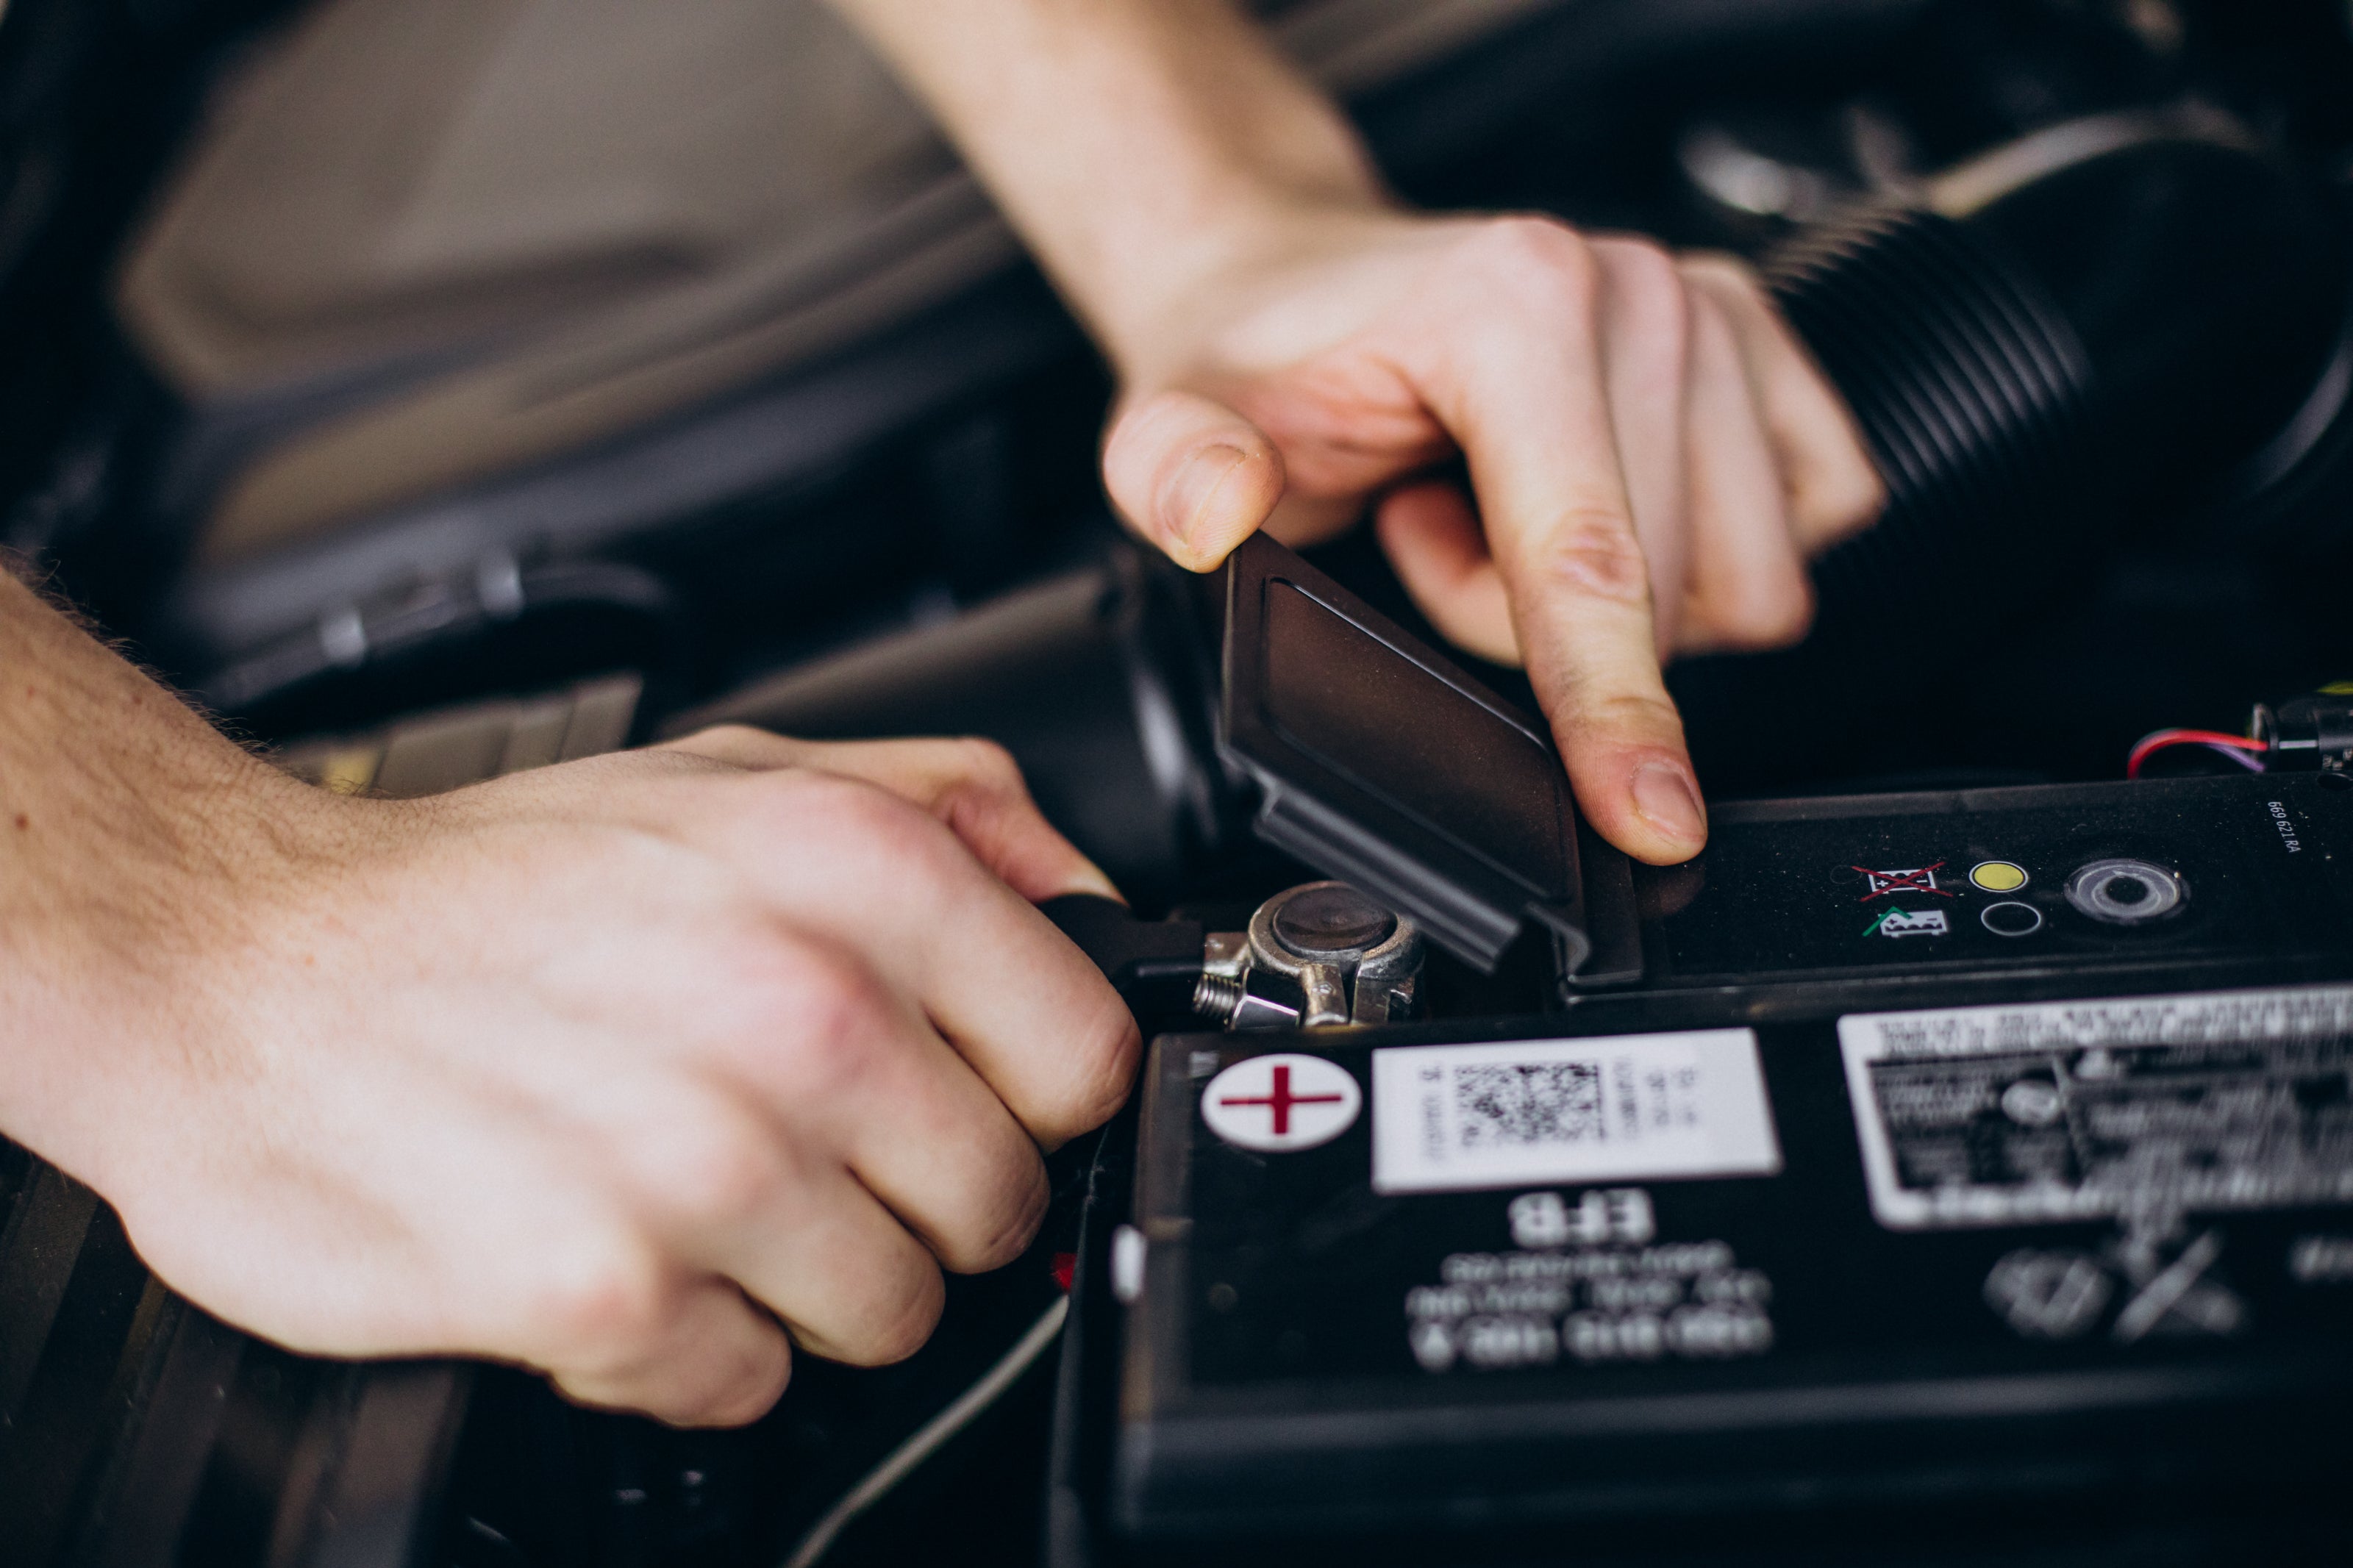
<point>1612,1109</point>
<point>2136,1106</point>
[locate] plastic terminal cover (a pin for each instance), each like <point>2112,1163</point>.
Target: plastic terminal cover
<point>1382,764</point>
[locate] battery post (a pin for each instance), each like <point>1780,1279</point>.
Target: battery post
<point>1315,956</point>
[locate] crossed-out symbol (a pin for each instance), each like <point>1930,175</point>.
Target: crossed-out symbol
<point>1280,1099</point>
<point>2059,1295</point>
<point>1922,880</point>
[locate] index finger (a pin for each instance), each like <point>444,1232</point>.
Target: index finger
<point>1511,359</point>
<point>971,785</point>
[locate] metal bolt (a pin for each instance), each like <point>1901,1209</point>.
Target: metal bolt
<point>1218,996</point>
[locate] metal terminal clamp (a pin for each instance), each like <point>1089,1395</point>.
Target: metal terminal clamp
<point>1346,957</point>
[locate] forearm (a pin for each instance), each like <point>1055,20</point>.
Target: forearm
<point>1139,145</point>
<point>121,813</point>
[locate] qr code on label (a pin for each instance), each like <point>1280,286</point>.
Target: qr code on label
<point>1528,1102</point>
<point>1494,1114</point>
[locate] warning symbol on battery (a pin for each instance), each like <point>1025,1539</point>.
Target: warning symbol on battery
<point>1918,880</point>
<point>1908,923</point>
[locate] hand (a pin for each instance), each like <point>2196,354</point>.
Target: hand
<point>1654,457</point>
<point>625,1069</point>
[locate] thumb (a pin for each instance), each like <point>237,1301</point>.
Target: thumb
<point>1191,474</point>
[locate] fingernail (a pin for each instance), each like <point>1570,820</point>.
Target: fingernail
<point>1665,797</point>
<point>1088,878</point>
<point>1186,496</point>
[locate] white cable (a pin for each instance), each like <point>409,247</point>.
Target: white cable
<point>928,1438</point>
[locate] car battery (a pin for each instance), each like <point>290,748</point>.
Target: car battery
<point>1905,1156</point>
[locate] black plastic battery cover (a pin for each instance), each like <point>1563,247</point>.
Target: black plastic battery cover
<point>1382,764</point>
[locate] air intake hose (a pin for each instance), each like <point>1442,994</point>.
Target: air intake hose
<point>2088,327</point>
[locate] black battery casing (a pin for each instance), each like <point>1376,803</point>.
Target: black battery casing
<point>1264,1384</point>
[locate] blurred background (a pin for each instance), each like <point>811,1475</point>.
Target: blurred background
<point>375,355</point>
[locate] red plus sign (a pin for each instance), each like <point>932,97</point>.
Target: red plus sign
<point>1282,1099</point>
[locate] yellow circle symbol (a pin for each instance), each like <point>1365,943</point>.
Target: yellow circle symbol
<point>1998,876</point>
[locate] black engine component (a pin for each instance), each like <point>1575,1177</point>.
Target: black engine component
<point>2065,339</point>
<point>2032,339</point>
<point>1097,681</point>
<point>2311,732</point>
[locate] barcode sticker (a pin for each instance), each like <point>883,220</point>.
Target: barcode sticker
<point>2143,1107</point>
<point>1619,1107</point>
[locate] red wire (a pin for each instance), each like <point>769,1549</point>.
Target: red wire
<point>2150,744</point>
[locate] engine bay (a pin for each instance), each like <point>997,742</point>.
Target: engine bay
<point>1979,1180</point>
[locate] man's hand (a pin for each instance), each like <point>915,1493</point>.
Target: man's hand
<point>625,1069</point>
<point>1652,455</point>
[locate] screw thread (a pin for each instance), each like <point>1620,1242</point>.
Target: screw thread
<point>1218,996</point>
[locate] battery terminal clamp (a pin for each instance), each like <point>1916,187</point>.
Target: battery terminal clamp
<point>1317,956</point>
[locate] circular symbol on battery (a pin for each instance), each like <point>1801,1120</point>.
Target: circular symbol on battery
<point>1278,1104</point>
<point>2010,917</point>
<point>2125,892</point>
<point>1998,876</point>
